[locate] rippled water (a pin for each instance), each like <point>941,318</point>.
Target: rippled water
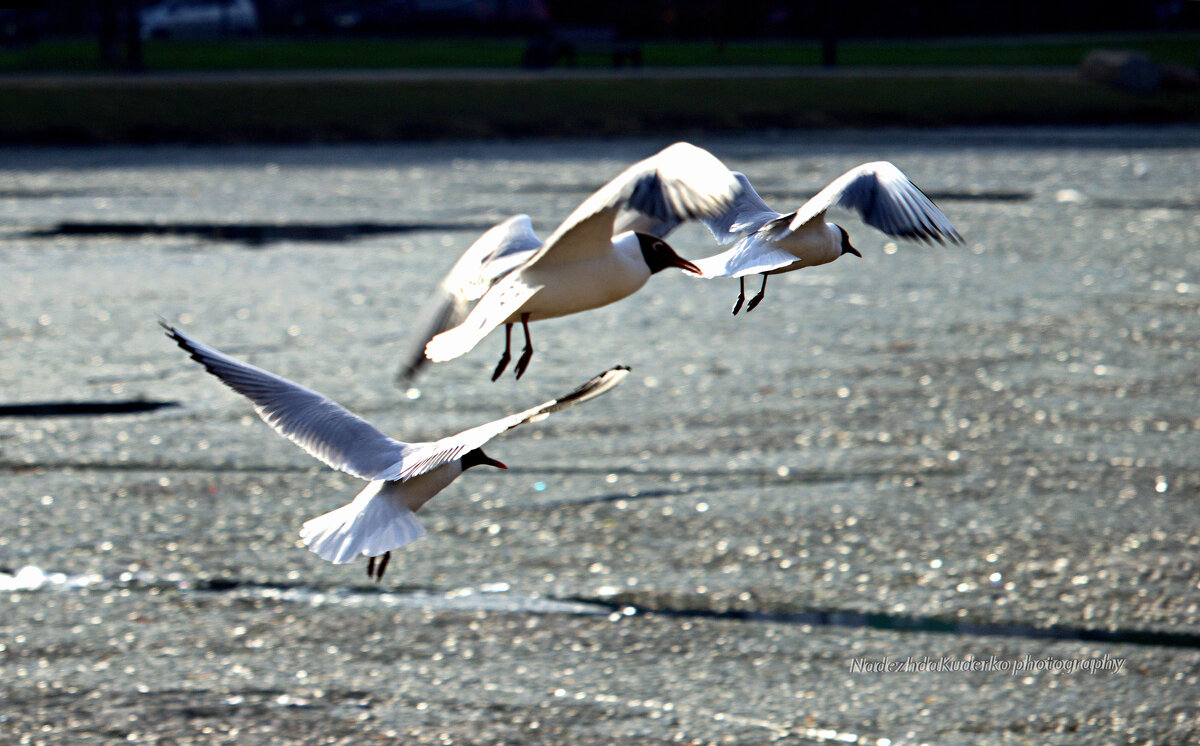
<point>990,442</point>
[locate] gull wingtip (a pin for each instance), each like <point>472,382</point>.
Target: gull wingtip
<point>617,373</point>
<point>596,385</point>
<point>173,333</point>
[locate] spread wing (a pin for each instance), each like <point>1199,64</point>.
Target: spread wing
<point>317,424</point>
<point>493,255</point>
<point>885,199</point>
<point>497,252</point>
<point>425,457</point>
<point>632,220</point>
<point>680,182</point>
<point>745,215</point>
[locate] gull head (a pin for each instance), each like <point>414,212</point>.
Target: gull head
<point>659,255</point>
<point>846,247</point>
<point>478,458</point>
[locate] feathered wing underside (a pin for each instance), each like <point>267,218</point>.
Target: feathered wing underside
<point>493,255</point>
<point>885,199</point>
<point>749,256</point>
<point>497,305</point>
<point>632,220</point>
<point>378,520</point>
<point>500,250</point>
<point>680,182</point>
<point>745,215</point>
<point>428,456</point>
<point>320,426</point>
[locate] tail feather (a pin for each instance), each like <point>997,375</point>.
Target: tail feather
<point>377,521</point>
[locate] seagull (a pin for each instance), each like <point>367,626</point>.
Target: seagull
<point>401,476</point>
<point>769,243</point>
<point>501,249</point>
<point>583,265</point>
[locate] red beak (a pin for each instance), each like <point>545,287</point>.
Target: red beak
<point>686,266</point>
<point>477,457</point>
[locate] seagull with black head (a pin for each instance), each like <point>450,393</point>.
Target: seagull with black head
<point>770,243</point>
<point>401,477</point>
<point>585,264</point>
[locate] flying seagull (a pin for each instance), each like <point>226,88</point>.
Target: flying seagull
<point>402,476</point>
<point>583,265</point>
<point>770,243</point>
<point>501,249</point>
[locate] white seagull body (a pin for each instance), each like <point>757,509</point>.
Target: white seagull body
<point>401,476</point>
<point>583,265</point>
<point>767,242</point>
<point>501,249</point>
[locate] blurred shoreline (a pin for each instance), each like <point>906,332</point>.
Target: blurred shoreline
<point>486,104</point>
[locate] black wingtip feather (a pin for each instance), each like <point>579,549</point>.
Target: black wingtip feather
<point>951,235</point>
<point>587,390</point>
<point>187,346</point>
<point>175,336</point>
